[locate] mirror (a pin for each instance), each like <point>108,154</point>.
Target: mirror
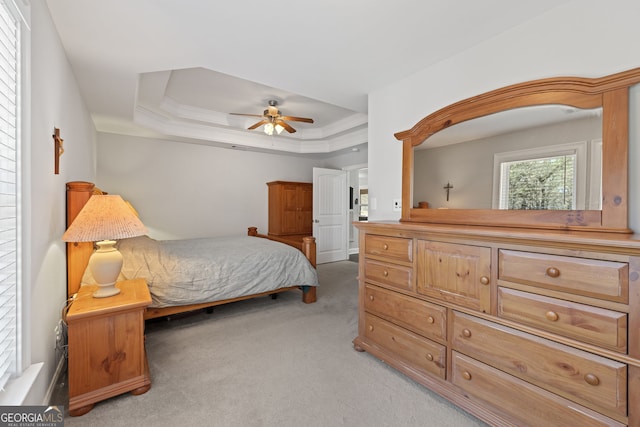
<point>474,150</point>
<point>523,158</point>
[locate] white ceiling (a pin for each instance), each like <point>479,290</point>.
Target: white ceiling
<point>176,68</point>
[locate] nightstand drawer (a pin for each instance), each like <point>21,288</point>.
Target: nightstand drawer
<point>420,316</point>
<point>389,274</point>
<point>420,352</point>
<point>577,375</point>
<point>590,277</point>
<point>484,383</point>
<point>391,248</point>
<point>599,326</point>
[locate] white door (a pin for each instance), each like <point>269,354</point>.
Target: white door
<point>330,211</point>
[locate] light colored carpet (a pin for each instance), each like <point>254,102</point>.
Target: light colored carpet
<point>269,362</point>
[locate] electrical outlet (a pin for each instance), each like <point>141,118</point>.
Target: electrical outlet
<point>397,205</point>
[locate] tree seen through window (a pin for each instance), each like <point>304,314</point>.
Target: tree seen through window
<point>540,184</point>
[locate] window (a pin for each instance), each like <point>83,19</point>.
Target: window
<point>9,178</point>
<point>547,178</point>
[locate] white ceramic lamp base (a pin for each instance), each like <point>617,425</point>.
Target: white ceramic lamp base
<point>105,265</point>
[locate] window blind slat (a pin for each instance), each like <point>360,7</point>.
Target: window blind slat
<point>9,245</point>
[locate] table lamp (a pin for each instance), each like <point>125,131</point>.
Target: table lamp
<point>104,219</point>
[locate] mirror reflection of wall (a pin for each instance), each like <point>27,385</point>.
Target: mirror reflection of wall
<point>471,167</point>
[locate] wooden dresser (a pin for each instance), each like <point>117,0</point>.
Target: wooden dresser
<point>290,208</point>
<point>516,326</point>
<point>523,317</point>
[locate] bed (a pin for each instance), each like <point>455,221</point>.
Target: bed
<point>181,278</point>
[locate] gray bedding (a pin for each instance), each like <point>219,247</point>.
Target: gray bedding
<point>191,271</point>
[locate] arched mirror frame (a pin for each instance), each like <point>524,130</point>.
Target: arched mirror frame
<point>610,92</point>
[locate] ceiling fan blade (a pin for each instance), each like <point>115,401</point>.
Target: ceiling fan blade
<point>286,126</point>
<point>297,119</point>
<point>257,125</point>
<point>248,115</point>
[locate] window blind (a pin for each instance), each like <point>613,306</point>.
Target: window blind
<point>9,244</point>
<point>543,183</point>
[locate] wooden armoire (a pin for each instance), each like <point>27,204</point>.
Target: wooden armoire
<point>290,208</point>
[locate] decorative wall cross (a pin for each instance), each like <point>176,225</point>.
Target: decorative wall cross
<point>448,187</point>
<point>57,150</point>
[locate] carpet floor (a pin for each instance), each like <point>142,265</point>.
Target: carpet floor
<point>267,362</point>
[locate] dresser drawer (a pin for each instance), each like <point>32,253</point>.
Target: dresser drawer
<point>599,326</point>
<point>526,404</point>
<point>391,248</point>
<point>389,274</point>
<point>583,377</point>
<point>419,352</point>
<point>420,316</point>
<point>596,278</point>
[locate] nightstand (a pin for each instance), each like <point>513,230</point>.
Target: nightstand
<point>107,356</point>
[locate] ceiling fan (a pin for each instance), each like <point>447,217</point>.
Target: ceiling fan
<point>273,120</point>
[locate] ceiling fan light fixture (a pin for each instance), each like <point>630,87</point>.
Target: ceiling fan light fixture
<point>268,129</point>
<point>273,120</point>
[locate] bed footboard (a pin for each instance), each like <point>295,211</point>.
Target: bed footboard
<point>307,245</point>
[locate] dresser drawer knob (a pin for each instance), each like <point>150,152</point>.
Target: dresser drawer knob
<point>385,246</point>
<point>466,375</point>
<point>466,333</point>
<point>484,280</point>
<point>552,316</point>
<point>430,357</point>
<point>371,328</point>
<point>430,319</point>
<point>592,379</point>
<point>385,273</point>
<point>371,298</point>
<point>553,272</point>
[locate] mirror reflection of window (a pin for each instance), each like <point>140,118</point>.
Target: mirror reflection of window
<point>539,184</point>
<point>557,177</point>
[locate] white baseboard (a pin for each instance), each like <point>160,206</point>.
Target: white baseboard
<point>54,380</point>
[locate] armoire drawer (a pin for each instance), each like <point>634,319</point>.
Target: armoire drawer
<point>599,326</point>
<point>580,376</point>
<point>527,404</point>
<point>391,248</point>
<point>420,316</point>
<point>590,277</point>
<point>389,274</point>
<point>419,352</point>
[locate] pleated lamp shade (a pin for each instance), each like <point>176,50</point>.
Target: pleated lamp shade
<point>104,219</point>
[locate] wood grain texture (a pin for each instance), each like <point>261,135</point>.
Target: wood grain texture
<point>581,366</point>
<point>106,345</point>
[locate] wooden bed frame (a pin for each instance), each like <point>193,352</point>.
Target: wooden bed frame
<point>78,192</point>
